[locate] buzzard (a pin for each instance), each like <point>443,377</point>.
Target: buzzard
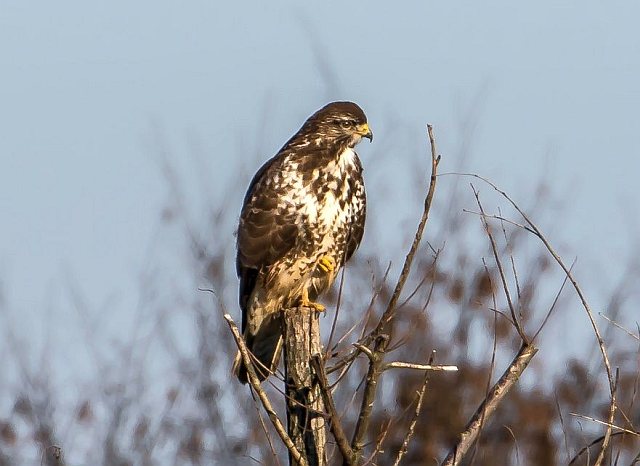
<point>302,219</point>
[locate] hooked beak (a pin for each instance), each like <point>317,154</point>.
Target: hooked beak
<point>364,131</point>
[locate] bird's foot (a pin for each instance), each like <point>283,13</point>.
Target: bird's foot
<point>312,305</point>
<point>327,264</point>
<point>306,302</point>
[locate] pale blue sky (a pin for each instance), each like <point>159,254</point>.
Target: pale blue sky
<point>87,87</point>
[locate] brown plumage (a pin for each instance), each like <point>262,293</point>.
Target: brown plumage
<point>302,219</point>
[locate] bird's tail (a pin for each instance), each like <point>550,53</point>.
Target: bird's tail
<point>265,346</point>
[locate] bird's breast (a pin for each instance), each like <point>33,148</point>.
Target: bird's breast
<point>334,194</point>
<point>320,193</point>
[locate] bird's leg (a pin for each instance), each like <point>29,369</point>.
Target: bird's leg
<point>327,264</point>
<point>305,302</point>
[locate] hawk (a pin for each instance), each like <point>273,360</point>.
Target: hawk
<point>302,219</point>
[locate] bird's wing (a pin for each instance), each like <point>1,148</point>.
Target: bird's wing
<point>267,229</point>
<point>358,214</point>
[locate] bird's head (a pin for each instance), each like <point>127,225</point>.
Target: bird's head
<point>339,122</point>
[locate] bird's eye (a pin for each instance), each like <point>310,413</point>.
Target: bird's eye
<point>346,124</point>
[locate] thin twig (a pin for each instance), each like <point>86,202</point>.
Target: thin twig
<point>368,398</point>
<point>436,254</point>
<point>615,324</point>
<point>416,414</point>
<point>433,280</point>
<point>420,367</point>
<point>553,305</point>
<point>335,314</point>
<point>346,361</point>
<point>597,421</point>
<point>365,350</point>
<point>496,256</point>
<point>564,430</point>
<point>515,442</point>
<point>384,431</point>
<point>509,246</point>
<point>502,219</point>
<point>264,429</point>
<point>501,314</point>
<point>255,384</point>
<point>586,448</point>
<point>413,293</point>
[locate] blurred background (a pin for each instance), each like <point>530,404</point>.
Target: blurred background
<point>131,130</point>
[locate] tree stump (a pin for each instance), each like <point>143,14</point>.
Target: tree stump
<point>305,406</point>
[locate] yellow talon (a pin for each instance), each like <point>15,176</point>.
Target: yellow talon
<point>305,302</point>
<point>327,264</point>
<point>316,306</point>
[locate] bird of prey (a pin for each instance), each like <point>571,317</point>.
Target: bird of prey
<point>302,219</point>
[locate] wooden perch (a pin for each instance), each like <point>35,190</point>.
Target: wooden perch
<point>305,403</point>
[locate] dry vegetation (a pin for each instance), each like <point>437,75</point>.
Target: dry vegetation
<point>483,287</point>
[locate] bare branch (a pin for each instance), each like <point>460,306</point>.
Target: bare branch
<point>490,403</point>
<point>365,350</point>
<point>585,305</point>
<point>380,344</point>
<point>513,264</point>
<point>597,421</point>
<point>496,256</point>
<point>384,431</point>
<point>263,426</point>
<point>515,442</point>
<point>595,442</point>
<point>368,398</point>
<point>562,426</point>
<point>500,313</point>
<point>615,324</point>
<point>345,362</point>
<point>420,367</point>
<point>553,305</point>
<point>501,218</point>
<point>335,314</point>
